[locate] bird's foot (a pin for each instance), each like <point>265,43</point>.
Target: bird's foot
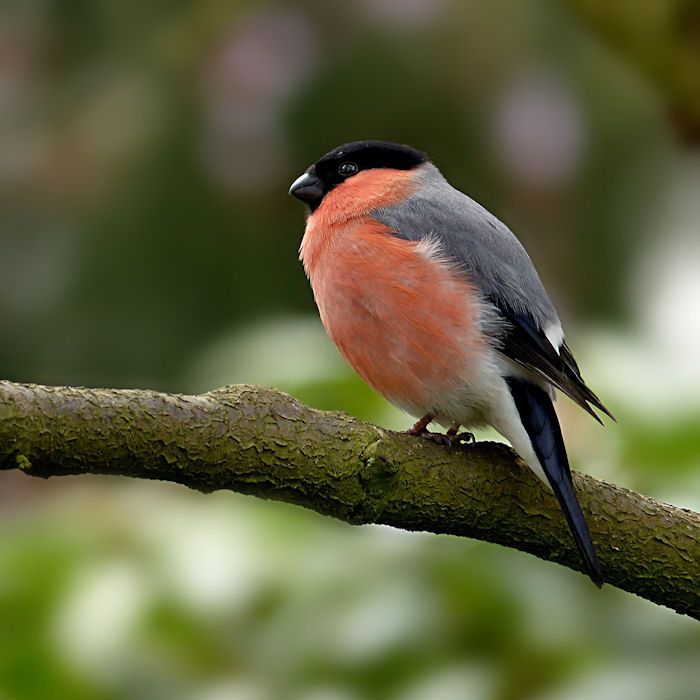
<point>463,438</point>
<point>420,427</point>
<point>448,439</point>
<point>438,438</point>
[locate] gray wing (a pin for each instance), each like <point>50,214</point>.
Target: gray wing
<point>495,261</point>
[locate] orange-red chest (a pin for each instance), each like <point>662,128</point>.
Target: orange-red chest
<point>405,320</point>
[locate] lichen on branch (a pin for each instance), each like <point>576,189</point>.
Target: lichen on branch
<point>265,443</point>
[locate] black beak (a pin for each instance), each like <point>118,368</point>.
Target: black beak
<point>307,188</point>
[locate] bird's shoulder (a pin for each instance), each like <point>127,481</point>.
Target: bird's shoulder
<point>497,264</point>
<point>475,240</point>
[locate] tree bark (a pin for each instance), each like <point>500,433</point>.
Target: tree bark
<point>262,442</point>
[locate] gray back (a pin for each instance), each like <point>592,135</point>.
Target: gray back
<point>484,247</point>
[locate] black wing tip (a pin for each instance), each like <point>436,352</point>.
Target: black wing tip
<point>586,407</point>
<point>526,344</point>
<point>607,413</point>
<point>587,396</point>
<point>591,398</point>
<point>591,412</point>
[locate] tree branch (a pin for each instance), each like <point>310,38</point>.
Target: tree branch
<point>261,442</point>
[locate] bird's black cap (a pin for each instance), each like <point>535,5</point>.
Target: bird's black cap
<point>349,159</point>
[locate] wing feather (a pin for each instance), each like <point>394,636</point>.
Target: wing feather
<point>494,260</point>
<point>524,343</point>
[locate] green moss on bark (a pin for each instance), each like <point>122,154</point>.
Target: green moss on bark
<point>265,443</point>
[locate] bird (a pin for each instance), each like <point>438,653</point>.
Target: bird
<point>437,306</point>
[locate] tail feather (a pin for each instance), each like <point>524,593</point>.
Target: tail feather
<point>540,421</point>
<point>564,492</point>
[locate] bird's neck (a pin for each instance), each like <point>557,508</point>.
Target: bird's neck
<point>350,204</point>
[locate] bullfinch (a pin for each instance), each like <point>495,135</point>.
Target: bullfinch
<point>437,306</point>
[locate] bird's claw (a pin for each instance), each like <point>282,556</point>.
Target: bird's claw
<point>446,439</point>
<point>463,438</point>
<point>438,438</point>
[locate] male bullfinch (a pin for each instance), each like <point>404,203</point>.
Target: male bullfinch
<point>438,307</point>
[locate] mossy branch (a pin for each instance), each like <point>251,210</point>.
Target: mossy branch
<point>262,442</point>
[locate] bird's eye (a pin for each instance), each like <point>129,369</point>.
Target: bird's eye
<point>346,169</point>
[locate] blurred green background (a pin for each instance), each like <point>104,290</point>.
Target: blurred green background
<point>147,240</point>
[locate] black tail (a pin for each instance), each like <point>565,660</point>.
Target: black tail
<point>540,421</point>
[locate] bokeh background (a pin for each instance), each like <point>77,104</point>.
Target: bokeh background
<point>147,240</point>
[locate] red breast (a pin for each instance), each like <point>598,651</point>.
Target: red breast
<point>403,317</point>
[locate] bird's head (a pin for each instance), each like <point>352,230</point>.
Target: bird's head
<point>353,163</point>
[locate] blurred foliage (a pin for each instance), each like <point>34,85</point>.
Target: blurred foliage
<point>663,40</point>
<point>149,156</point>
<point>147,239</point>
<point>222,597</point>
